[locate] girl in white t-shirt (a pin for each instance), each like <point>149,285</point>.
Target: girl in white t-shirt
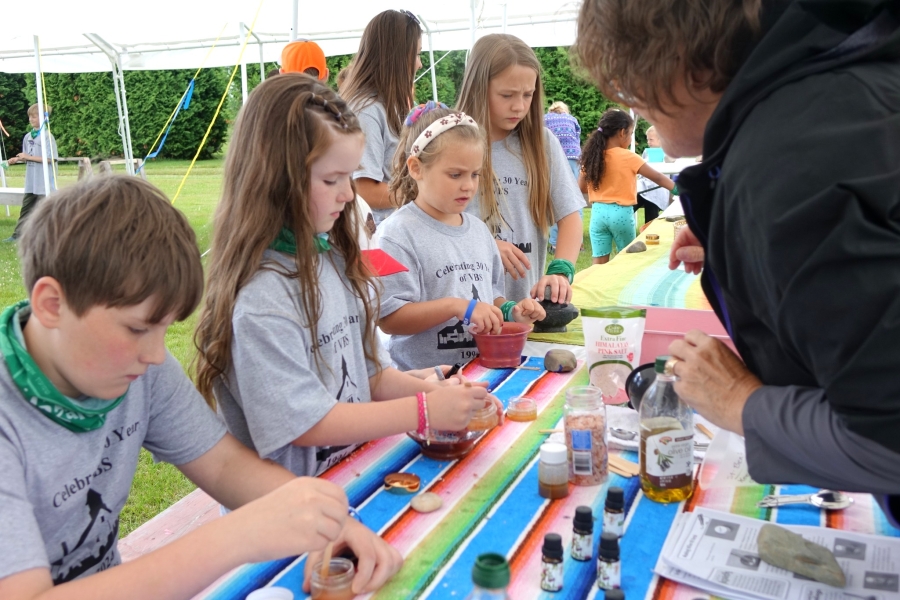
<point>528,184</point>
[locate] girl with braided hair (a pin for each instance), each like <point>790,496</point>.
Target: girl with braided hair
<point>454,286</point>
<point>287,341</point>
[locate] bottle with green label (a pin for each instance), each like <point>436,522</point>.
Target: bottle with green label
<point>667,440</point>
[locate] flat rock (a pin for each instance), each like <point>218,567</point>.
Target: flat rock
<point>782,548</point>
<point>426,502</point>
<point>636,247</point>
<point>559,361</point>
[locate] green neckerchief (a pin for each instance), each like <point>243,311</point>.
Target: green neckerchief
<point>287,243</point>
<point>35,133</point>
<point>75,415</point>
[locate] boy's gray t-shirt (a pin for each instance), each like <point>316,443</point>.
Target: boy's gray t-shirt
<point>61,492</point>
<point>34,171</point>
<point>378,155</point>
<point>275,391</point>
<point>443,261</point>
<point>518,226</point>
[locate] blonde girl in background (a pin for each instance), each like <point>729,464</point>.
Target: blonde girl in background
<point>609,171</point>
<point>287,340</point>
<point>379,90</point>
<point>528,185</point>
<point>454,286</point>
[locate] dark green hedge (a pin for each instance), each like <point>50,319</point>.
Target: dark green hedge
<point>84,110</point>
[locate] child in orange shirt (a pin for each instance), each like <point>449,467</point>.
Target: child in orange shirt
<point>609,177</point>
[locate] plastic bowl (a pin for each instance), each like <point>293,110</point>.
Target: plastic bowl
<point>638,382</point>
<point>504,349</point>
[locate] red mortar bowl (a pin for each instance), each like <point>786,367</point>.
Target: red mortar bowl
<point>504,349</point>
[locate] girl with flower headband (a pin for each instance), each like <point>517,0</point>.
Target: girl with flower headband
<point>287,339</point>
<point>454,285</point>
<point>609,171</point>
<point>528,185</point>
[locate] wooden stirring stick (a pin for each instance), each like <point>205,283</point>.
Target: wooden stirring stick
<point>704,430</point>
<point>326,561</point>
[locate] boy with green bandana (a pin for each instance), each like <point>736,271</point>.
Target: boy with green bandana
<point>86,381</point>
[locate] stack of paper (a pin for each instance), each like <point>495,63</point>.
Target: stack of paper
<point>716,552</point>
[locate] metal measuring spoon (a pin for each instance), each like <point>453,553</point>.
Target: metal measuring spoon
<point>826,499</point>
<point>623,434</point>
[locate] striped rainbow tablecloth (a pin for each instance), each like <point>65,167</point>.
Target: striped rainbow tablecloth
<point>491,504</point>
<point>637,279</point>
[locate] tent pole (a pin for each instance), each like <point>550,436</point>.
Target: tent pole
<point>430,59</point>
<point>472,20</point>
<point>45,139</point>
<point>295,17</point>
<point>262,63</point>
<point>243,32</point>
<point>633,130</point>
<point>129,156</point>
<point>504,18</point>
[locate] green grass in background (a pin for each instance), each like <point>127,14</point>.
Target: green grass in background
<point>157,486</point>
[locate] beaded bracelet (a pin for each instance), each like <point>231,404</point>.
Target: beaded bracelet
<point>423,414</point>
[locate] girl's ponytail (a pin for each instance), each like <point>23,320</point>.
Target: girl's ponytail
<point>593,157</point>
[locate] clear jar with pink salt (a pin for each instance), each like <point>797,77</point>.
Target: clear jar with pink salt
<point>584,422</point>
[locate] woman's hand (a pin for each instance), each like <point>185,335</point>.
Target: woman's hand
<point>712,379</point>
<point>560,290</point>
<point>687,249</point>
<point>514,260</point>
<point>528,311</point>
<point>378,561</point>
<point>451,408</point>
<point>303,515</point>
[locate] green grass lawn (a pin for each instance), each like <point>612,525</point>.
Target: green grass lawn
<point>156,486</point>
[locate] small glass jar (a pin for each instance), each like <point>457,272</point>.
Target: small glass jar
<point>585,426</point>
<point>553,471</point>
<point>484,419</point>
<point>336,585</point>
<point>521,409</point>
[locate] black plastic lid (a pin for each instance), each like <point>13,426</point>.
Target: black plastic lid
<point>615,498</point>
<point>609,545</point>
<point>614,595</point>
<point>584,519</point>
<point>491,571</point>
<point>552,546</point>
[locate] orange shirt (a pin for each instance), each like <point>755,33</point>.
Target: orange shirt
<point>619,182</point>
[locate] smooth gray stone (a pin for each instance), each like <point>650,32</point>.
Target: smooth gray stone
<point>559,361</point>
<point>782,548</point>
<point>558,315</point>
<point>636,247</point>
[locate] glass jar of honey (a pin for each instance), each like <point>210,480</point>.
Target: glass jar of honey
<point>336,585</point>
<point>484,419</point>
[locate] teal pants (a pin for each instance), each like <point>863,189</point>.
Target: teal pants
<point>610,222</point>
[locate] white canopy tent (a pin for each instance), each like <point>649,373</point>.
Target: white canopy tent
<point>182,34</point>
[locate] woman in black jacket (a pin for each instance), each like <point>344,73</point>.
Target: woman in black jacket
<point>794,216</point>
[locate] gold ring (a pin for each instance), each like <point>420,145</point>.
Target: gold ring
<point>670,366</point>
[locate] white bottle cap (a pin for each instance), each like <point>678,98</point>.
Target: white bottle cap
<point>553,453</point>
<point>271,593</point>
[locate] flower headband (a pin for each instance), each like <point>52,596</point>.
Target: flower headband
<point>439,127</point>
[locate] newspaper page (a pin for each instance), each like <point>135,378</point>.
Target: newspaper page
<point>717,552</point>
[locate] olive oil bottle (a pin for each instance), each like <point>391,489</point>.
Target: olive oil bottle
<point>667,440</point>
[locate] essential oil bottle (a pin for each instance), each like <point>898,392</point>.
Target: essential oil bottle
<point>614,511</point>
<point>609,569</point>
<point>552,563</point>
<point>583,533</point>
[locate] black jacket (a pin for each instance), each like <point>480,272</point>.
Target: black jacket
<point>797,202</point>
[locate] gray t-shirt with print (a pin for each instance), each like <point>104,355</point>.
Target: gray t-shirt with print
<point>518,227</point>
<point>443,261</point>
<point>378,155</point>
<point>61,492</point>
<point>34,171</point>
<point>275,390</point>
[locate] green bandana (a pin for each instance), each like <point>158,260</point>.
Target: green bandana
<point>35,133</point>
<point>78,416</point>
<point>287,243</point>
